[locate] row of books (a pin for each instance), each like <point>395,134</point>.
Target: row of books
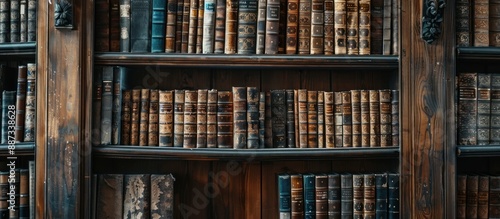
<point>17,21</point>
<point>478,23</point>
<point>17,190</point>
<point>134,195</point>
<point>248,26</point>
<point>478,196</point>
<point>19,105</point>
<point>334,195</point>
<point>243,118</point>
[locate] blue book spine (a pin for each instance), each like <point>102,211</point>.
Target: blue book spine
<point>309,196</point>
<point>381,196</point>
<point>158,26</point>
<point>284,192</point>
<point>393,195</point>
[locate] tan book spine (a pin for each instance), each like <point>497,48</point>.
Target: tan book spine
<point>346,119</point>
<point>179,97</point>
<point>166,118</point>
<point>385,118</point>
<point>329,33</point>
<point>329,120</point>
<point>292,26</point>
<point>317,27</point>
<point>365,118</point>
<point>374,118</point>
<point>193,26</point>
<point>225,119</point>
<point>303,116</point>
<point>364,27</point>
<point>352,27</point>
<point>190,101</point>
<point>481,23</point>
<point>201,119</point>
<point>230,38</point>
<point>356,117</point>
<point>272,26</point>
<point>321,119</point>
<point>369,195</point>
<point>340,26</point>
<point>312,119</point>
<point>136,115</point>
<point>239,117</point>
<point>252,117</point>
<point>144,119</point>
<point>338,118</point>
<point>357,195</point>
<point>153,118</point>
<point>212,119</point>
<point>304,45</point>
<point>126,116</point>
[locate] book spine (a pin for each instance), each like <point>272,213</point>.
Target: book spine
<point>220,26</point>
<point>302,108</point>
<point>179,98</point>
<point>346,195</point>
<point>329,120</point>
<point>386,118</point>
<point>309,195</point>
<point>494,110</point>
<point>201,119</point>
<point>376,27</point>
<point>23,20</point>
<point>109,196</point>
<point>461,196</point>
<point>193,26</point>
<point>321,191</point>
<point>393,195</point>
<point>24,195</point>
<point>8,112</point>
<point>166,118</point>
<point>356,117</point>
<point>262,121</point>
<point>494,22</point>
<point>494,195</point>
<point>284,196</point>
<point>114,26</point>
<point>126,117</point>
<point>170,28</point>
<point>463,22</point>
<point>116,111</point>
<point>101,33</point>
<point>358,195</point>
<point>190,101</point>
<point>292,26</point>
<point>32,177</point>
<point>225,119</point>
<point>472,196</point>
<point>4,21</point>
<point>334,195</point>
<point>162,196</point>
<point>96,105</point>
<point>4,188</point>
<point>15,18</point>
<point>374,118</point>
<point>304,46</point>
<point>483,108</point>
<point>329,34</point>
<point>178,26</point>
<point>268,123</point>
<point>290,119</point>
<point>369,195</point>
<point>296,117</point>
<point>158,25</point>
<point>364,27</point>
<point>252,117</point>
<point>209,27</point>
<point>282,27</point>
<point>153,120</point>
<point>185,26</point>
<point>297,196</point>
<point>395,117</point>
<point>107,105</point>
<point>239,117</point>
<point>144,117</point>
<point>467,109</point>
<point>199,27</point>
<point>212,118</point>
<point>312,119</point>
<point>272,27</point>
<point>261,27</point>
<point>247,26</point>
<point>338,118</point>
<point>321,119</point>
<point>395,10</point>
<point>481,23</point>
<point>346,119</point>
<point>317,27</point>
<point>20,102</point>
<point>30,118</point>
<point>136,197</point>
<point>136,115</point>
<point>125,25</point>
<point>140,26</point>
<point>381,195</point>
<point>352,27</point>
<point>231,30</point>
<point>483,196</point>
<point>278,116</point>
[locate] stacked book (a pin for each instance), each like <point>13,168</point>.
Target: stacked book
<point>324,27</point>
<point>478,196</point>
<point>338,195</point>
<point>17,188</point>
<point>17,21</point>
<point>478,23</point>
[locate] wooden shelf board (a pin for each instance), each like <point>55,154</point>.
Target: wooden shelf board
<point>22,149</point>
<point>478,151</point>
<point>478,53</point>
<point>18,49</point>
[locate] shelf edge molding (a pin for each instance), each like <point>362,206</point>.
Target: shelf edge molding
<point>21,149</point>
<point>478,151</point>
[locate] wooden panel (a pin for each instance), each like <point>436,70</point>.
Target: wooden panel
<point>280,79</point>
<point>222,197</point>
<point>225,79</point>
<point>315,80</point>
<point>253,190</point>
<point>192,191</point>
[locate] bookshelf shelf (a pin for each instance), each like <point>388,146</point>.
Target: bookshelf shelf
<point>18,49</point>
<point>478,151</point>
<point>22,149</point>
<point>136,152</point>
<point>260,61</point>
<point>478,53</point>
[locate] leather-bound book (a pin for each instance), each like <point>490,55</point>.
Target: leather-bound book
<point>268,122</point>
<point>494,22</point>
<point>304,45</point>
<point>114,26</point>
<point>166,118</point>
<point>209,27</point>
<point>119,74</point>
<point>346,119</point>
<point>329,28</point>
<point>262,117</point>
<point>290,118</point>
<point>199,26</point>
<point>292,26</point>
<point>136,197</point>
<point>22,75</point>
<point>385,118</point>
<point>278,115</point>
<point>190,101</point>
<point>201,119</point>
<point>374,118</point>
<point>282,27</point>
<point>140,26</point>
<point>185,26</point>
<point>297,196</point>
<point>23,20</point>
<point>107,105</point>
<point>317,26</point>
<point>4,21</point>
<point>212,119</point>
<point>467,108</point>
<point>494,197</point>
<point>225,119</point>
<point>358,195</point>
<point>125,25</point>
<point>170,26</point>
<point>364,23</point>
<point>472,196</point>
<point>109,196</point>
<point>158,21</point>
<point>312,119</point>
<point>329,120</point>
<point>393,195</point>
<point>4,189</point>
<point>239,117</point>
<point>395,117</point>
<point>24,195</point>
<point>14,188</point>
<point>136,116</point>
<point>272,27</point>
<point>15,18</point>
<point>178,26</point>
<point>309,195</point>
<point>179,98</point>
<point>346,195</point>
<point>247,27</point>
<point>483,196</point>
<point>32,177</point>
<point>284,196</point>
<point>321,190</point>
<point>30,118</point>
<point>395,10</point>
<point>252,118</point>
<point>356,117</point>
<point>261,27</point>
<point>381,195</point>
<point>463,22</point>
<point>126,117</point>
<point>481,23</point>
<point>193,26</point>
<point>220,26</point>
<point>321,119</point>
<point>231,30</point>
<point>340,26</point>
<point>494,111</point>
<point>376,27</point>
<point>369,196</point>
<point>162,196</point>
<point>302,108</point>
<point>144,117</point>
<point>96,105</point>
<point>153,122</point>
<point>338,118</point>
<point>483,108</point>
<point>333,195</point>
<point>352,27</point>
<point>101,33</point>
<point>461,196</point>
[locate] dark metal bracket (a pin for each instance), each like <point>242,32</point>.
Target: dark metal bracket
<point>432,19</point>
<point>63,14</point>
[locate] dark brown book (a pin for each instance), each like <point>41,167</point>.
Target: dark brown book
<point>374,118</point>
<point>483,108</point>
<point>102,30</point>
<point>179,99</point>
<point>312,119</point>
<point>364,23</point>
<point>461,196</point>
<point>252,118</point>
<point>346,195</point>
<point>239,117</point>
<point>387,27</point>
<point>170,26</point>
<point>369,196</point>
<point>329,120</point>
<point>22,75</point>
<point>483,196</point>
<point>4,21</point>
<point>231,30</point>
<point>321,194</point>
<point>346,119</point>
<point>268,122</point>
<point>385,118</point>
<point>494,22</point>
<point>166,118</point>
<point>199,27</point>
<point>220,26</point>
<point>463,22</point>
<point>278,116</point>
<point>290,118</point>
<point>136,197</point>
<point>153,121</point>
<point>208,27</point>
<point>358,195</point>
<point>365,118</point>
<point>261,27</point>
<point>292,26</point>
<point>14,184</point>
<point>376,27</point>
<point>262,117</point>
<point>481,23</point>
<point>185,26</point>
<point>136,116</point>
<point>395,117</point>
<point>212,119</point>
<point>201,119</point>
<point>356,117</point>
<point>126,117</point>
<point>317,26</point>
<point>467,109</point>
<point>4,189</point>
<point>321,119</point>
<point>472,196</point>
<point>30,118</point>
<point>329,32</point>
<point>225,119</point>
<point>302,114</point>
<point>24,196</point>
<point>144,117</point>
<point>338,118</point>
<point>297,196</point>
<point>494,197</point>
<point>178,26</point>
<point>193,26</point>
<point>247,26</point>
<point>272,27</point>
<point>304,45</point>
<point>282,27</point>
<point>107,105</point>
<point>352,18</point>
<point>114,26</point>
<point>190,101</point>
<point>162,196</point>
<point>109,196</point>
